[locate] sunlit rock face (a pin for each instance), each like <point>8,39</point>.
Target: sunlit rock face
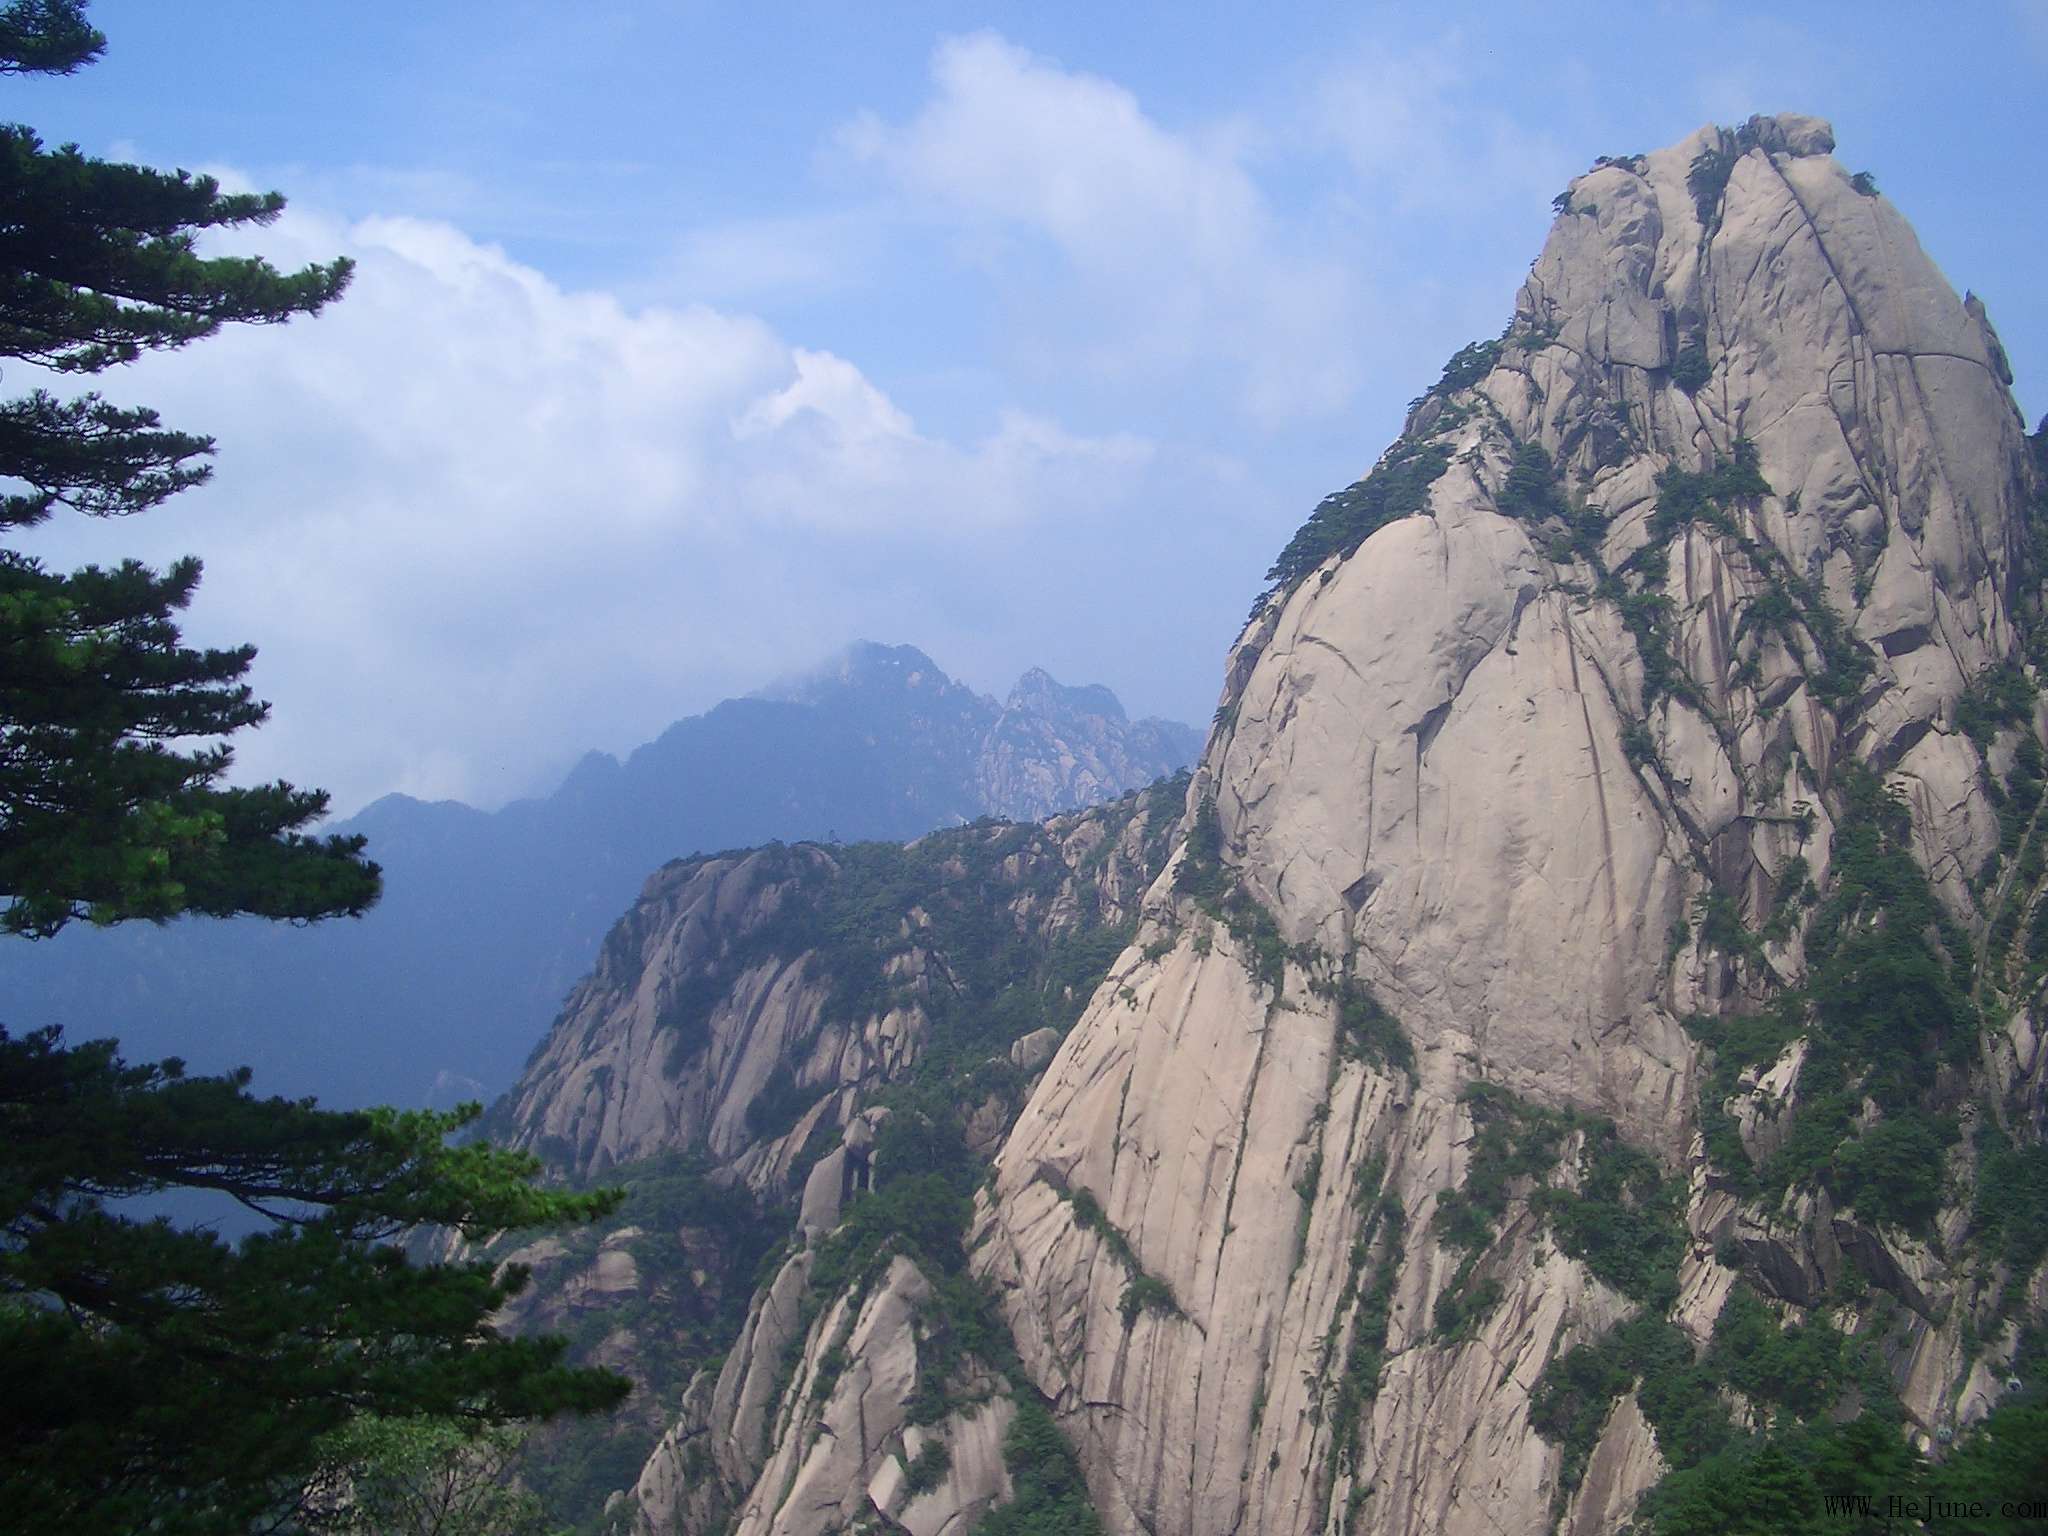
<point>1447,766</point>
<point>1531,771</point>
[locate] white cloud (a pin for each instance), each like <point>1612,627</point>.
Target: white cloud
<point>475,521</point>
<point>1416,127</point>
<point>832,390</point>
<point>748,260</point>
<point>1178,257</point>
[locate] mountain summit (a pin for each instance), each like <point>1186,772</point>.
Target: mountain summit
<point>1641,738</point>
<point>1048,748</point>
<point>1576,1054</point>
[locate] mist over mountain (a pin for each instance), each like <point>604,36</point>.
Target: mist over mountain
<point>488,918</point>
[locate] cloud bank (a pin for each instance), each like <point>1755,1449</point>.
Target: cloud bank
<point>476,523</point>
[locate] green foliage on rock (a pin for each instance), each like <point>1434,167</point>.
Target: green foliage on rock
<point>1367,1032</point>
<point>1213,886</point>
<point>919,1207</point>
<point>1998,697</point>
<point>1690,370</point>
<point>1791,1373</point>
<point>929,1467</point>
<point>1468,365</point>
<point>701,1246</point>
<point>1364,1306</point>
<point>1706,496</point>
<point>1398,487</point>
<point>1142,1292</point>
<point>1784,1484</point>
<point>2009,1212</point>
<point>1887,990</point>
<point>1051,1497</point>
<point>1531,491</point>
<point>1619,1214</point>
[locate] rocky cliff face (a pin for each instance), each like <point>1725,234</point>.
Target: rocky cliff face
<point>736,1058</point>
<point>1054,747</point>
<point>1590,1013</point>
<point>1695,586</point>
<point>1047,748</point>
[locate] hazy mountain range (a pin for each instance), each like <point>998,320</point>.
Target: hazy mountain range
<point>488,918</point>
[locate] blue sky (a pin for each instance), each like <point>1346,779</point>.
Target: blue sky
<point>690,341</point>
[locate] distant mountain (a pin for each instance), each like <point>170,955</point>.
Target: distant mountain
<point>489,918</point>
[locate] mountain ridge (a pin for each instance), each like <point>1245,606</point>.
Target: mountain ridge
<point>1600,958</point>
<point>489,917</point>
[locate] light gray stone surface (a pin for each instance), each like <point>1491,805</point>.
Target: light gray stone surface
<point>1439,769</point>
<point>1422,770</point>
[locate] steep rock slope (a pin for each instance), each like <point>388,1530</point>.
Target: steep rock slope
<point>1581,1013</point>
<point>829,1038</point>
<point>1655,703</point>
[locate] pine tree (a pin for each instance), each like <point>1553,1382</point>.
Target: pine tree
<point>102,815</point>
<point>154,1377</point>
<point>158,1378</point>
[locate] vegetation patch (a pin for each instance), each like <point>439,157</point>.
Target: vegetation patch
<point>1365,1030</point>
<point>1887,991</point>
<point>1051,1496</point>
<point>1398,487</point>
<point>1359,1320</point>
<point>2010,1213</point>
<point>1690,370</point>
<point>1531,492</point>
<point>1623,1219</point>
<point>1996,698</point>
<point>1468,365</point>
<point>929,1467</point>
<point>919,1209</point>
<point>1708,175</point>
<point>691,1225</point>
<point>1215,890</point>
<point>1142,1292</point>
<point>1790,1373</point>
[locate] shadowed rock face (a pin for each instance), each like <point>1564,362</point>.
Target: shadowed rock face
<point>742,1018</point>
<point>1448,765</point>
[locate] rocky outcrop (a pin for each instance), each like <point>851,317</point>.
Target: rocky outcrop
<point>1047,748</point>
<point>716,1021</point>
<point>722,1061</point>
<point>1735,505</point>
<point>1563,975</point>
<point>1055,747</point>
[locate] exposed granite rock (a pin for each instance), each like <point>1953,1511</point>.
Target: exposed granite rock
<point>1443,766</point>
<point>711,996</point>
<point>1054,748</point>
<point>1527,769</point>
